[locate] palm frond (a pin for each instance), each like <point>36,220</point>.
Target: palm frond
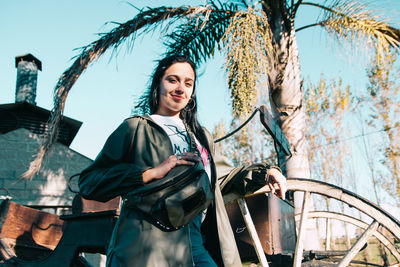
<point>352,21</point>
<point>248,42</point>
<point>145,20</point>
<point>199,36</point>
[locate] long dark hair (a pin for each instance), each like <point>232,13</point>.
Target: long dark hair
<point>149,101</point>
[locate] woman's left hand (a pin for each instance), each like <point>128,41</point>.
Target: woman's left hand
<point>276,182</point>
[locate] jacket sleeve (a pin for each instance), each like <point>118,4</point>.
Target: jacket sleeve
<point>111,175</point>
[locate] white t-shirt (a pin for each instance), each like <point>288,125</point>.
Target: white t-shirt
<point>179,137</point>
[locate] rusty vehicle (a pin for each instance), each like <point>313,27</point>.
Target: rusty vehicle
<point>264,226</point>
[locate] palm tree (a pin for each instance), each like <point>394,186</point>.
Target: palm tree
<point>258,39</point>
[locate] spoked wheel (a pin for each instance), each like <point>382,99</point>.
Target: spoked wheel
<point>378,224</point>
<point>382,224</point>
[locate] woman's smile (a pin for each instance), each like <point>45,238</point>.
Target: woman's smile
<point>178,98</point>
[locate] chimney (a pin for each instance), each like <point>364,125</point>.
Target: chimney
<point>27,72</point>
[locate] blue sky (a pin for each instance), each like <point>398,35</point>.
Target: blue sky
<point>105,93</point>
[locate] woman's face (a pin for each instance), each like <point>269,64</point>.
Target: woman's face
<point>176,88</point>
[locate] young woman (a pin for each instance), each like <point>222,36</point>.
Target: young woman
<point>145,148</point>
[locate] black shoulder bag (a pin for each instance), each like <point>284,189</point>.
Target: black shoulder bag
<point>175,200</point>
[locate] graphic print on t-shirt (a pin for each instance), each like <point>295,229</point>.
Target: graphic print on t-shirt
<point>180,134</point>
<point>176,131</point>
<point>203,154</point>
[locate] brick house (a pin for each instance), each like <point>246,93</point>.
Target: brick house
<point>21,125</point>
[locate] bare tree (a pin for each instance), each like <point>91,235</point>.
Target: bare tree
<point>383,92</point>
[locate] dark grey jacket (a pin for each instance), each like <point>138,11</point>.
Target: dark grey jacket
<point>135,146</point>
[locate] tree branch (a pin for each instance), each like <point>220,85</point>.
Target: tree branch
<point>309,26</point>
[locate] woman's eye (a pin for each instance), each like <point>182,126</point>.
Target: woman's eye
<point>189,84</point>
<point>172,80</point>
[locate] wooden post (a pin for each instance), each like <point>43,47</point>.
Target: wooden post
<point>298,256</point>
<point>252,231</point>
<point>328,234</point>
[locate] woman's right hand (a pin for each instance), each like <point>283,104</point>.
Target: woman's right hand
<point>172,161</point>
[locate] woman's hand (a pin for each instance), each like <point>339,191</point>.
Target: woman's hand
<point>276,182</point>
<point>172,161</point>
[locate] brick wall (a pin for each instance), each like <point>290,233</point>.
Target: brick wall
<point>49,186</point>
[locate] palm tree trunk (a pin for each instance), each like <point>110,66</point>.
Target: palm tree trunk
<point>286,98</point>
<point>286,93</point>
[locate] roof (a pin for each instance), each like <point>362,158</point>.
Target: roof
<point>33,118</point>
